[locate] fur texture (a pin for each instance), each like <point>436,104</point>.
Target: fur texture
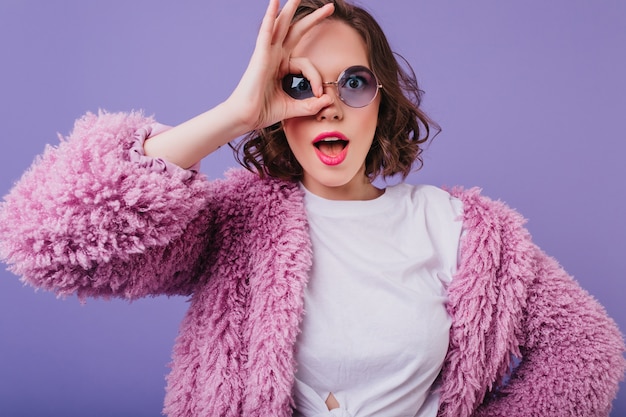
<point>88,219</point>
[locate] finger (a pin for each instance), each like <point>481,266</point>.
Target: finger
<point>298,29</point>
<point>266,31</point>
<point>309,71</point>
<point>283,21</point>
<point>308,107</point>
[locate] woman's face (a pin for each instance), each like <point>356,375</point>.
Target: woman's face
<point>334,169</point>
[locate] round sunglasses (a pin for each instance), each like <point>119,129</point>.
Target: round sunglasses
<point>357,86</point>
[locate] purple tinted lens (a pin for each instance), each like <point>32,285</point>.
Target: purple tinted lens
<point>357,86</point>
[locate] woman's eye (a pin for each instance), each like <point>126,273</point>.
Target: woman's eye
<point>297,87</point>
<point>355,82</point>
<point>303,84</point>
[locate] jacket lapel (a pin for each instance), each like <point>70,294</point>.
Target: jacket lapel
<point>485,301</point>
<point>280,259</point>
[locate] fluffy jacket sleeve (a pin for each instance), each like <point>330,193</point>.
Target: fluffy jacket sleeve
<point>510,300</point>
<point>87,219</point>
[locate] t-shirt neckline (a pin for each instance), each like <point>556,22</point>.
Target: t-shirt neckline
<point>341,208</point>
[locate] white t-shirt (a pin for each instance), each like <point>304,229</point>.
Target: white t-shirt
<point>375,330</point>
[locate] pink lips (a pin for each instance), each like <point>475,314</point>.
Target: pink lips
<point>331,160</point>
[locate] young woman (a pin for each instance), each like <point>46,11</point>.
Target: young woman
<point>314,292</point>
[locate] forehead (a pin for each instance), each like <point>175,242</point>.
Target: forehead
<point>333,43</point>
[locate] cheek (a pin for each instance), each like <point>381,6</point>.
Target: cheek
<point>290,127</point>
<point>292,131</point>
<point>370,120</point>
<point>296,130</point>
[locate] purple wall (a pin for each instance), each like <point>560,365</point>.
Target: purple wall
<point>531,96</point>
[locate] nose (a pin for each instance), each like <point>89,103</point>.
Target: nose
<point>333,111</point>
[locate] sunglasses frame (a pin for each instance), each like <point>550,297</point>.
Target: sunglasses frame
<point>354,68</point>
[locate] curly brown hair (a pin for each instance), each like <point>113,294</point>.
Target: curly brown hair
<point>403,128</point>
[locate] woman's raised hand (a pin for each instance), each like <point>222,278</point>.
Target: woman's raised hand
<point>259,98</point>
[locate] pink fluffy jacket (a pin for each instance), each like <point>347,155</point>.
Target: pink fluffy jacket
<point>93,217</point>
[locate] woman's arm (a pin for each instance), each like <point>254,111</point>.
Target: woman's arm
<point>572,352</point>
<point>258,100</point>
<point>87,219</point>
<point>511,300</point>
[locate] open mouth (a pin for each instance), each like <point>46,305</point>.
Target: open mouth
<point>331,146</point>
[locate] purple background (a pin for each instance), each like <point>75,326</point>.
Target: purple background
<point>531,96</point>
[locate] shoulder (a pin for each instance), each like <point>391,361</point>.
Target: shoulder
<point>243,184</point>
<point>429,198</point>
<point>424,191</point>
<point>484,212</point>
<point>420,193</point>
<point>243,192</point>
<point>496,246</point>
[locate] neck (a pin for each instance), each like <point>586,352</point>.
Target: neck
<point>350,191</point>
